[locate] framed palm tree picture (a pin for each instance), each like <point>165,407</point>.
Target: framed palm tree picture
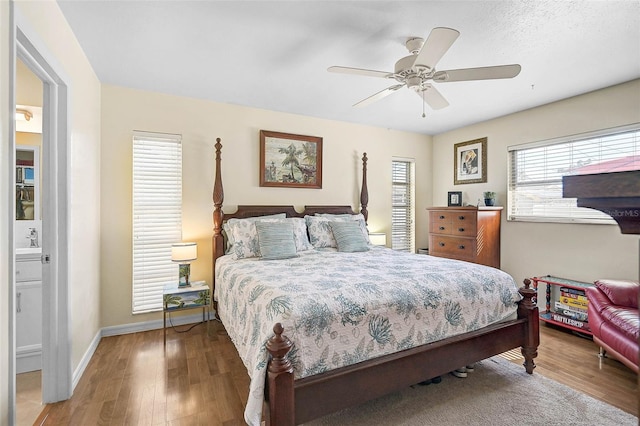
<point>290,161</point>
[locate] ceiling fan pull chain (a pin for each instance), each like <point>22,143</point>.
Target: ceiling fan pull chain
<point>423,114</point>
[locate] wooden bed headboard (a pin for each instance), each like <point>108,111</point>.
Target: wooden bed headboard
<point>245,211</point>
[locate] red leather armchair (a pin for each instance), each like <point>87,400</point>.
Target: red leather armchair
<point>614,320</point>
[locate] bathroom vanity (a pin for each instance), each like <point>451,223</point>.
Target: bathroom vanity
<point>28,310</point>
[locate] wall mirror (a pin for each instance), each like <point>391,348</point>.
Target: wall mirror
<point>27,182</point>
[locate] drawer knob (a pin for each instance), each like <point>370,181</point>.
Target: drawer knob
<point>441,217</point>
<point>461,217</point>
<point>461,229</point>
<point>461,247</point>
<point>441,228</point>
<point>441,244</point>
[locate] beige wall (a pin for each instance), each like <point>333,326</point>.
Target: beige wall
<point>579,251</point>
<point>200,123</point>
<point>62,49</point>
<point>28,86</point>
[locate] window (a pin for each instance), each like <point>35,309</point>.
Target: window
<point>403,210</point>
<point>157,216</point>
<point>536,170</point>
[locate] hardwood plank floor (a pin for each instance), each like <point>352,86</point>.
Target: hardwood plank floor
<point>200,379</point>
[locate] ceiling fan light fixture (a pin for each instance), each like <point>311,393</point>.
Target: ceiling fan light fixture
<point>414,82</point>
<point>418,69</point>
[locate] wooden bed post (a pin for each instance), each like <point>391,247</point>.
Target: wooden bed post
<point>217,239</point>
<point>280,378</point>
<point>364,192</point>
<point>529,310</point>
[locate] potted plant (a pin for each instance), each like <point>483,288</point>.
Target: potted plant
<point>489,198</point>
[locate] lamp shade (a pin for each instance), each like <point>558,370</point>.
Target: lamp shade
<point>378,238</point>
<point>184,252</point>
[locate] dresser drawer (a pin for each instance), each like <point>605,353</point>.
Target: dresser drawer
<point>455,247</point>
<point>464,224</point>
<point>452,223</point>
<point>28,270</point>
<point>440,217</point>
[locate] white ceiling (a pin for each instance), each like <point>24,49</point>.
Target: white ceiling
<point>274,54</point>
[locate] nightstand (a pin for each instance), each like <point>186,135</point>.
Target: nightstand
<point>174,298</point>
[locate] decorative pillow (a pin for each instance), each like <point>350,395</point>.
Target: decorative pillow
<point>228,235</point>
<point>300,233</point>
<point>276,240</point>
<point>335,215</point>
<point>242,235</point>
<point>348,236</point>
<point>320,234</point>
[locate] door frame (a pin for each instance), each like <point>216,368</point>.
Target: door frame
<point>56,340</point>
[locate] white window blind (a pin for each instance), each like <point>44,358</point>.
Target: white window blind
<point>403,210</point>
<point>157,216</point>
<point>536,171</point>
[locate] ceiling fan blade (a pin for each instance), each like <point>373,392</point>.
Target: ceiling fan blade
<point>381,94</point>
<point>439,41</point>
<point>360,71</point>
<point>432,97</point>
<point>483,73</point>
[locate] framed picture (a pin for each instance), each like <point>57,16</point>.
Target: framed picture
<point>290,161</point>
<point>455,199</point>
<point>470,161</point>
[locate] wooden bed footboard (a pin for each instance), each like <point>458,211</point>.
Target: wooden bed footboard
<point>289,402</point>
<point>292,401</point>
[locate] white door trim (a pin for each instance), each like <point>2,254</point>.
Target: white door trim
<point>56,339</point>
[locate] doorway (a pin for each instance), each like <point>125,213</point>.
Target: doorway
<point>56,350</point>
<point>28,245</point>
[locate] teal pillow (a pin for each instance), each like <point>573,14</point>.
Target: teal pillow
<point>348,236</point>
<point>276,240</point>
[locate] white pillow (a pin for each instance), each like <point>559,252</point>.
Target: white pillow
<point>246,242</point>
<point>233,226</point>
<point>320,234</point>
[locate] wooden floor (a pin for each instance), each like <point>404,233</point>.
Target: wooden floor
<point>28,397</point>
<point>200,379</point>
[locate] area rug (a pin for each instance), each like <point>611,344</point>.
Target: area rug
<point>497,393</point>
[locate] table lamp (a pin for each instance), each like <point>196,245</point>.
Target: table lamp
<point>184,254</point>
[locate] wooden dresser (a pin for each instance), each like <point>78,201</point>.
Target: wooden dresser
<point>466,233</point>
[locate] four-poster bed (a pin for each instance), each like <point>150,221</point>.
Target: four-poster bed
<point>289,401</point>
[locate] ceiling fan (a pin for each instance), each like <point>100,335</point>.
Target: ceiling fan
<point>417,70</point>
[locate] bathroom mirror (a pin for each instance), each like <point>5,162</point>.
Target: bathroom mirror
<point>27,182</point>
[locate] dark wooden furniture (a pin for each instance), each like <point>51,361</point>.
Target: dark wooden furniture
<point>289,401</point>
<point>466,233</point>
<point>616,194</point>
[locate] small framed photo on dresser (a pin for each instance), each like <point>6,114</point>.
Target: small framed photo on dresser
<point>454,199</point>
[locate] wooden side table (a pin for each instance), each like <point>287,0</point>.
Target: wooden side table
<point>174,298</point>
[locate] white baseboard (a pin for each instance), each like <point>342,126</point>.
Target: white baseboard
<point>77,374</point>
<point>28,358</point>
<point>117,330</point>
<point>137,327</point>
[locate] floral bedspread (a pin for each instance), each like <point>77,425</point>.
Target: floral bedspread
<point>342,308</point>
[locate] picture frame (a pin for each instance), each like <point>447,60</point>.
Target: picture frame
<point>470,162</point>
<point>454,199</point>
<point>290,161</point>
